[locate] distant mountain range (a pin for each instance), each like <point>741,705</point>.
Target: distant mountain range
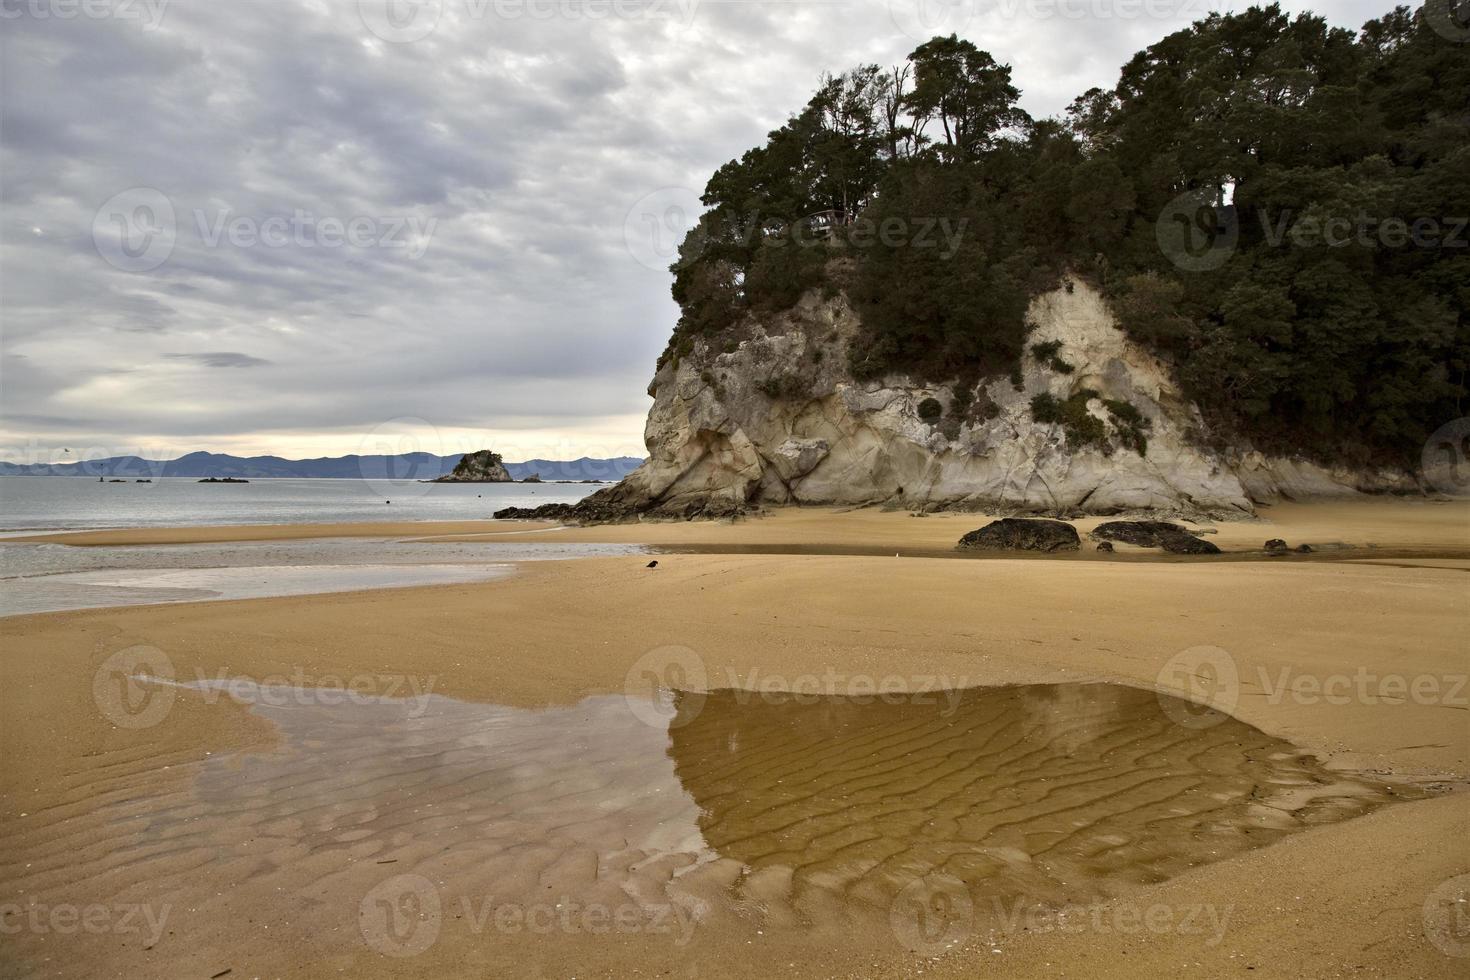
<point>407,466</point>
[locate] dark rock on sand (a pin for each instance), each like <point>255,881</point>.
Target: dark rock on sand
<point>1105,546</point>
<point>1173,538</point>
<point>1276,546</point>
<point>1187,544</point>
<point>1023,534</point>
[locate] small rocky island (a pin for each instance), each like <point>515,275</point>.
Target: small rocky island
<point>481,467</point>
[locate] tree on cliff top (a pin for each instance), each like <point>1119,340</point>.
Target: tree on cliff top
<point>1253,135</point>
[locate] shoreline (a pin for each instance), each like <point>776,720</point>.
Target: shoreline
<point>1367,527</point>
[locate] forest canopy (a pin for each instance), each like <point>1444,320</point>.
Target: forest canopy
<point>1276,206</point>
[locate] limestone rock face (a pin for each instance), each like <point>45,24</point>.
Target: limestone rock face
<point>777,419</point>
<point>480,467</point>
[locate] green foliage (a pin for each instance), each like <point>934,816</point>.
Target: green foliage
<point>1291,338</point>
<point>965,92</point>
<point>784,385</point>
<point>1080,426</point>
<point>782,271</point>
<point>1046,353</point>
<point>1131,424</point>
<point>930,410</point>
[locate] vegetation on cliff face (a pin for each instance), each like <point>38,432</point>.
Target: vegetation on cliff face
<point>1275,206</point>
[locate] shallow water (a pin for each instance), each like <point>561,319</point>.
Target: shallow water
<point>52,577</point>
<point>74,503</point>
<point>378,821</point>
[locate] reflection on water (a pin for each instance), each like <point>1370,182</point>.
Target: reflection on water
<point>766,812</point>
<point>1058,793</point>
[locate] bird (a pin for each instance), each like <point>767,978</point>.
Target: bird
<point>652,564</point>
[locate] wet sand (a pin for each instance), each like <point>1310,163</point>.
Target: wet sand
<point>1357,662</point>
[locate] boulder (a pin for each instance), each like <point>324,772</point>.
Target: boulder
<point>1185,543</point>
<point>1276,546</point>
<point>1105,547</point>
<point>1023,534</point>
<point>1144,534</point>
<point>1173,538</point>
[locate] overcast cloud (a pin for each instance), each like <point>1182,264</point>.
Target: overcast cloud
<point>317,227</point>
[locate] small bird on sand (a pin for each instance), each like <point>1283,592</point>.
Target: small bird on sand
<point>652,564</point>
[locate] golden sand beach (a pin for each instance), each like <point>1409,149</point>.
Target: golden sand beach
<point>485,779</point>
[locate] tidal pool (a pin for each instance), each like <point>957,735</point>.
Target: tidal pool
<point>374,815</point>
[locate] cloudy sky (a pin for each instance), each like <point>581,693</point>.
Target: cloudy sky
<point>310,227</point>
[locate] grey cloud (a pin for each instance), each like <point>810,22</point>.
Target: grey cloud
<point>524,142</point>
<point>221,359</point>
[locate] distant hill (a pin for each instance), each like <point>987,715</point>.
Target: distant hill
<point>407,466</point>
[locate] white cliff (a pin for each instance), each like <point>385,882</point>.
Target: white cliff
<point>778,419</point>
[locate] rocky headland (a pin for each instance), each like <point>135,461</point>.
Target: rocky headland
<point>1090,423</point>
